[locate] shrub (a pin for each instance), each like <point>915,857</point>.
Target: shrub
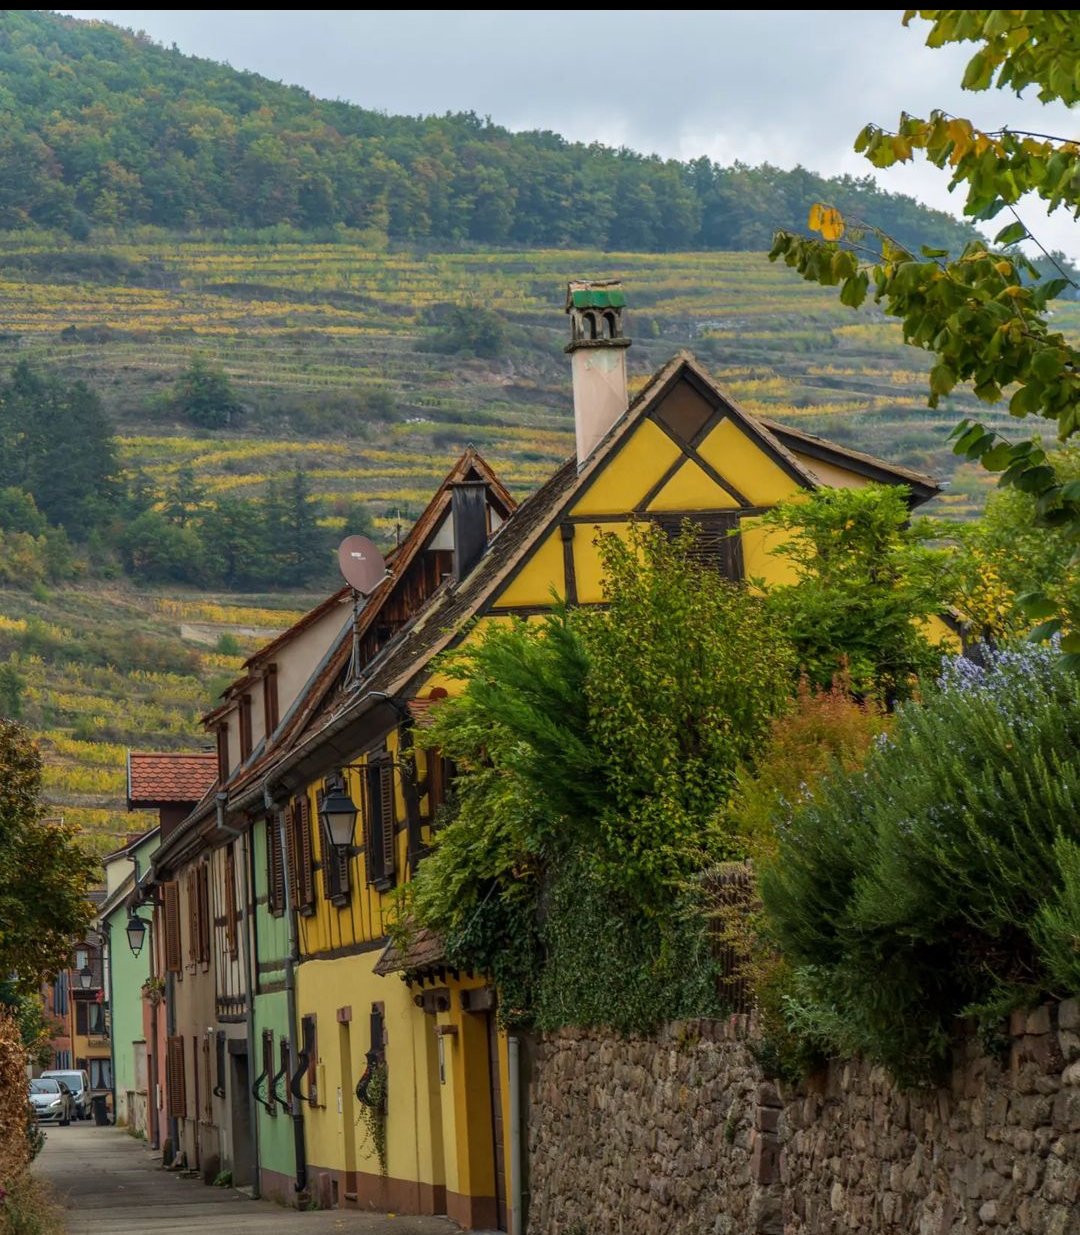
<point>931,884</point>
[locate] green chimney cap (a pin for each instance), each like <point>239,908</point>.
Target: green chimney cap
<point>608,295</point>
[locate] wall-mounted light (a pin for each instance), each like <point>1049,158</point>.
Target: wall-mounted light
<point>86,977</point>
<point>136,933</point>
<point>338,812</point>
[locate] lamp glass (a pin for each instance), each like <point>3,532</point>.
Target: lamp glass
<point>86,977</point>
<point>136,934</point>
<point>338,812</point>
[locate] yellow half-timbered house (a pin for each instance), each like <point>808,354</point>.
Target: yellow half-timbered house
<point>377,1029</point>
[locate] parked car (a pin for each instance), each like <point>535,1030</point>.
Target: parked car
<point>52,1101</point>
<point>78,1081</point>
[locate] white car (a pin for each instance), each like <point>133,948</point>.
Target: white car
<point>78,1082</point>
<point>51,1101</point>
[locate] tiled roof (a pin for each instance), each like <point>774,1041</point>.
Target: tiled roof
<point>157,779</point>
<point>423,950</point>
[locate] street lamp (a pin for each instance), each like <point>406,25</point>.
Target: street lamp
<point>86,977</point>
<point>338,812</point>
<point>136,933</point>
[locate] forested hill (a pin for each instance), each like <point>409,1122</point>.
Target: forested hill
<point>102,127</point>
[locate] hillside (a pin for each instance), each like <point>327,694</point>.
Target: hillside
<point>102,128</point>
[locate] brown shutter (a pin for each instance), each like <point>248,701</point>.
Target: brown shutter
<point>718,544</point>
<point>171,902</point>
<point>387,816</point>
<point>436,780</point>
<point>192,889</point>
<point>275,867</point>
<point>292,852</point>
<point>306,865</point>
<point>270,700</point>
<point>230,901</point>
<point>335,861</point>
<point>223,753</point>
<point>204,912</point>
<point>175,1088</point>
<point>245,726</point>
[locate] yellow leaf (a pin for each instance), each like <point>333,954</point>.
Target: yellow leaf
<point>832,224</point>
<point>817,214</point>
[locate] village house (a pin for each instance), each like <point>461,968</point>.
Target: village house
<point>381,1078</point>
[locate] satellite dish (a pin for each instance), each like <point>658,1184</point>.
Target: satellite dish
<point>361,563</point>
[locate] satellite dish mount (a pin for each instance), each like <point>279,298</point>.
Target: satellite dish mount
<point>363,568</point>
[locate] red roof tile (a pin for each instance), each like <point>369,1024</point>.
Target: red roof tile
<point>156,779</point>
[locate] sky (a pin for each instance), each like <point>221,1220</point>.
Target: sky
<point>780,86</point>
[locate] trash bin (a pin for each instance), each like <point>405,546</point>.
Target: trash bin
<point>99,1102</point>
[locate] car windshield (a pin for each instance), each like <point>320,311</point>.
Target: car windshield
<point>44,1087</point>
<point>71,1079</point>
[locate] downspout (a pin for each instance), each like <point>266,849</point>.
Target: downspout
<point>514,1081</point>
<point>170,1029</point>
<point>299,1147</point>
<point>106,932</point>
<point>247,925</point>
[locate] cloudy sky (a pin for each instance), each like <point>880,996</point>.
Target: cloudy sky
<point>783,86</point>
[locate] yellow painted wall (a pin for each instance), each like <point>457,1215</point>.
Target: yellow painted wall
<point>831,475</point>
<point>587,567</point>
<point>742,462</point>
<point>692,488</point>
<point>639,464</point>
<point>542,572</point>
<point>758,560</point>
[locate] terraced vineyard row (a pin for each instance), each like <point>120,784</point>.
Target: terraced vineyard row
<point>331,349</point>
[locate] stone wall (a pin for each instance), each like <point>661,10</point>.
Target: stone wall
<point>682,1133</point>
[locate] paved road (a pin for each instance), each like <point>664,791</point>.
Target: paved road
<point>111,1184</point>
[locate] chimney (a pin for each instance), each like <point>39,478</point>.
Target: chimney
<point>597,350</point>
<point>468,508</point>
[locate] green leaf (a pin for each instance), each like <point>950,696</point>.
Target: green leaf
<point>999,458</point>
<point>927,251</point>
<point>1047,363</point>
<point>1071,642</point>
<point>1044,630</point>
<point>1011,234</point>
<point>1071,491</point>
<point>1036,605</point>
<point>1035,479</point>
<point>942,379</point>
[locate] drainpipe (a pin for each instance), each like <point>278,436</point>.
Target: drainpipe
<point>106,934</point>
<point>170,1029</point>
<point>247,933</point>
<point>514,1080</point>
<point>299,1148</point>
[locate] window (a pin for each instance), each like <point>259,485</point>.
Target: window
<point>379,821</point>
<point>335,862</point>
<point>438,782</point>
<point>718,545</point>
<point>245,727</point>
<point>270,700</point>
<point>171,901</point>
<point>223,753</point>
<point>301,859</point>
<point>275,867</point>
<point>82,958</point>
<point>60,994</point>
<point>231,932</point>
<point>175,1088</point>
<point>100,1073</point>
<point>198,894</point>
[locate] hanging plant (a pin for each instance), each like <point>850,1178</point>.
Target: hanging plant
<point>371,1093</point>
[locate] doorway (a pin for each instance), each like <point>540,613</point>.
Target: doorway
<point>497,1130</point>
<point>243,1141</point>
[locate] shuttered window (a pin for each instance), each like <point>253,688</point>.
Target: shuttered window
<point>245,726</point>
<point>440,775</point>
<point>231,932</point>
<point>718,543</point>
<point>379,821</point>
<point>268,1070</point>
<point>198,915</point>
<point>270,700</point>
<point>335,862</point>
<point>284,1094</point>
<point>174,962</point>
<point>223,753</point>
<point>175,1088</point>
<point>309,1030</point>
<point>275,867</point>
<point>301,858</point>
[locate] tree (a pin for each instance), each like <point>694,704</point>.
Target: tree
<point>294,540</point>
<point>866,587</point>
<point>45,875</point>
<point>598,750</point>
<point>982,313</point>
<point>204,395</point>
<point>12,685</point>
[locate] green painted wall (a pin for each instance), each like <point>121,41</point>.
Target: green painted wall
<point>127,978</point>
<point>276,1153</point>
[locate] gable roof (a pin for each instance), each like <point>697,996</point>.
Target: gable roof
<point>168,778</point>
<point>440,622</point>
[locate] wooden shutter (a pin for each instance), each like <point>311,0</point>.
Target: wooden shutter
<point>194,932</point>
<point>305,860</point>
<point>204,912</point>
<point>171,903</point>
<point>270,700</point>
<point>231,933</point>
<point>223,753</point>
<point>436,781</point>
<point>292,852</point>
<point>268,1070</point>
<point>245,726</point>
<point>309,1028</point>
<point>275,867</point>
<point>716,546</point>
<point>379,822</point>
<point>286,1076</point>
<point>175,1088</point>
